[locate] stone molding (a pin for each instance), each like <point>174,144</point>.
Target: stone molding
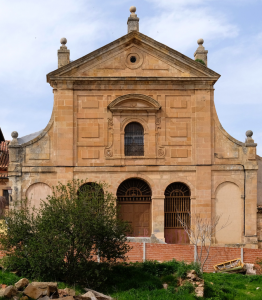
<point>154,105</point>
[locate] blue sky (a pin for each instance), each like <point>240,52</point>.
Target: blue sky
<point>31,30</point>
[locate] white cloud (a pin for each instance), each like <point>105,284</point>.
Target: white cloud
<point>179,24</point>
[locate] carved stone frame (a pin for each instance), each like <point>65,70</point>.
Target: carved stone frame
<point>122,115</point>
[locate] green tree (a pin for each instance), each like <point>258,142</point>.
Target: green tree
<point>63,239</point>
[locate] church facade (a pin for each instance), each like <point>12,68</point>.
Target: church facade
<point>141,117</point>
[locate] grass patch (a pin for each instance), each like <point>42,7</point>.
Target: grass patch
<point>8,278</point>
<point>143,281</point>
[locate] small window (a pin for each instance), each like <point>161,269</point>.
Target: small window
<point>134,139</point>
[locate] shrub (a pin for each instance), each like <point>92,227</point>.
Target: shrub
<point>200,61</point>
<point>61,240</point>
<point>171,280</point>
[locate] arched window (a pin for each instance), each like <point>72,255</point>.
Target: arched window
<point>134,139</point>
<point>134,201</point>
<point>177,206</point>
<point>91,190</point>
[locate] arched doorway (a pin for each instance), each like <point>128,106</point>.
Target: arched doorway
<point>134,139</point>
<point>177,205</point>
<point>134,200</point>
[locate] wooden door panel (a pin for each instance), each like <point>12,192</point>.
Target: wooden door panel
<point>138,215</point>
<point>176,236</point>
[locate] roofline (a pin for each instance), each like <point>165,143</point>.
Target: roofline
<point>184,80</point>
<point>141,37</point>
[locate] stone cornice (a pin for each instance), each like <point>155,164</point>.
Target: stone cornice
<point>76,82</point>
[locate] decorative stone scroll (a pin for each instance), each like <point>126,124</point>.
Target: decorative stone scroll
<point>108,149</point>
<point>161,152</point>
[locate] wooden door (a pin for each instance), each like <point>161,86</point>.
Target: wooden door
<point>138,216</point>
<point>134,200</point>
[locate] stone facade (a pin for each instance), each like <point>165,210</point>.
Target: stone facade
<point>172,97</point>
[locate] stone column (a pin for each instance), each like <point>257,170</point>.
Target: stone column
<point>251,168</point>
<point>158,217</point>
<point>15,170</point>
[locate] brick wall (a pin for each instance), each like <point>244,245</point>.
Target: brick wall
<point>165,252</point>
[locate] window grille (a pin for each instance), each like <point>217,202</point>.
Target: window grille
<point>134,139</point>
<point>134,190</point>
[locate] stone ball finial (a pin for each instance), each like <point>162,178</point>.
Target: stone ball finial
<point>63,41</point>
<point>14,134</point>
<point>132,9</point>
<point>200,42</point>
<point>249,133</point>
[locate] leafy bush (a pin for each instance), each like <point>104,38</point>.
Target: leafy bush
<point>62,239</point>
<point>171,280</point>
<point>160,269</point>
<point>200,61</point>
<point>123,277</point>
<point>186,288</point>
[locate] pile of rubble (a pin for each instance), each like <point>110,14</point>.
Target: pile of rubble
<point>197,282</point>
<point>24,290</point>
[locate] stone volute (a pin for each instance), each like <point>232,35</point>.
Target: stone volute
<point>201,53</point>
<point>63,54</point>
<point>133,20</point>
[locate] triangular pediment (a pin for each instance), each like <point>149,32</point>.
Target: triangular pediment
<point>134,55</point>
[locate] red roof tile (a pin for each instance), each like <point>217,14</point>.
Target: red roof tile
<point>4,159</point>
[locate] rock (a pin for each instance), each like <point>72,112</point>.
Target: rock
<point>22,283</point>
<point>199,291</point>
<point>2,291</point>
<point>44,285</point>
<point>69,292</point>
<point>15,298</point>
<point>10,291</point>
<point>165,286</point>
<point>24,298</point>
<point>250,270</point>
<point>68,298</point>
<point>98,295</point>
<point>89,295</point>
<point>44,298</point>
<point>33,291</point>
<point>62,293</point>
